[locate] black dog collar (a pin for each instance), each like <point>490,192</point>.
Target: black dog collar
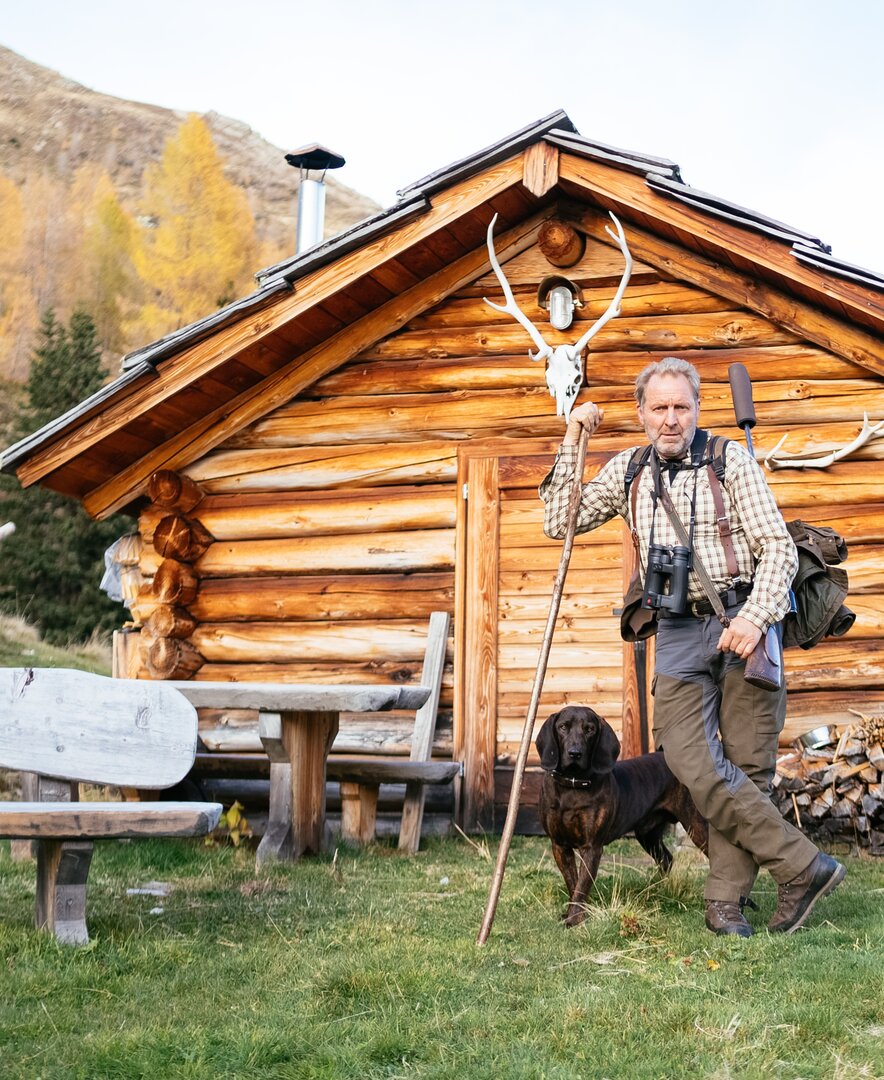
<point>570,781</point>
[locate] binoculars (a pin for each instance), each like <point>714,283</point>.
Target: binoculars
<point>666,582</point>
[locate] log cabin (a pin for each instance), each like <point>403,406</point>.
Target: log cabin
<point>315,468</point>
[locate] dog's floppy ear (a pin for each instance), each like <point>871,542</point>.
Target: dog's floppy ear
<point>607,748</point>
<point>548,744</point>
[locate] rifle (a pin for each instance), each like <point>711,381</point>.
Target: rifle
<point>764,667</point>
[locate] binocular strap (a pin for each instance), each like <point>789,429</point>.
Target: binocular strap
<point>702,572</point>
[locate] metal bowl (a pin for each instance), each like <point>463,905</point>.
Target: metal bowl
<point>819,736</point>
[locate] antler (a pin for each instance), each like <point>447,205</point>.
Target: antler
<point>866,434</point>
<point>564,373</point>
<point>614,306</point>
<point>544,351</point>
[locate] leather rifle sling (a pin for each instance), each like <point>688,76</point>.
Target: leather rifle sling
<point>724,526</point>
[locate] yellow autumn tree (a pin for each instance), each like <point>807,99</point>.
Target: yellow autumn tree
<point>18,309</point>
<point>101,275</point>
<point>48,247</point>
<point>196,251</point>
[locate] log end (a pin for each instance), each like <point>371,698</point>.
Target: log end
<point>561,244</point>
<point>171,658</point>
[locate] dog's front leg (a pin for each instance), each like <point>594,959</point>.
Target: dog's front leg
<point>564,857</point>
<point>588,858</point>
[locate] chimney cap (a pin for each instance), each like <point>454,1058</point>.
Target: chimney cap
<point>315,156</point>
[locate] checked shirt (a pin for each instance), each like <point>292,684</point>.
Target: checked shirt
<point>765,553</point>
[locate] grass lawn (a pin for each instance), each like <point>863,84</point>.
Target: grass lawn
<point>364,965</point>
<point>21,646</point>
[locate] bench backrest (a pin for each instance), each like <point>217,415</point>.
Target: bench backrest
<point>77,726</point>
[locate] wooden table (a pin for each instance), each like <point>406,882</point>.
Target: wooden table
<point>298,723</point>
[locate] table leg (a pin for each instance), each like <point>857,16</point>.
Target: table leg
<point>307,738</point>
<point>276,843</point>
<point>298,744</point>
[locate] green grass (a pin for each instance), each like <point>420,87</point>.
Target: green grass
<point>365,966</point>
<point>21,646</point>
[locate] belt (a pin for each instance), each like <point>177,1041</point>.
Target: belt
<point>699,609</point>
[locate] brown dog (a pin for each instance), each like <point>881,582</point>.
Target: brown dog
<point>588,799</point>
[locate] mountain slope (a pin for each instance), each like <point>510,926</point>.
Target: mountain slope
<point>50,124</point>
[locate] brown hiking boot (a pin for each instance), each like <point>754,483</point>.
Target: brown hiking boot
<point>726,917</point>
<point>796,899</point>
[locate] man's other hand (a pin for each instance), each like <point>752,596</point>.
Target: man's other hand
<point>740,637</point>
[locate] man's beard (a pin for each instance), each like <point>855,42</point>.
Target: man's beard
<point>667,449</point>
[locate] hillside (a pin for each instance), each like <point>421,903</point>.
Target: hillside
<point>56,138</point>
<point>51,124</point>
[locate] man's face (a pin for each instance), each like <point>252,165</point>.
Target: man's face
<point>669,414</point>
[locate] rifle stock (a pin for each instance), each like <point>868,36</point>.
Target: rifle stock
<point>764,668</point>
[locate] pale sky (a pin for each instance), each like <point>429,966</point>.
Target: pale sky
<point>773,104</point>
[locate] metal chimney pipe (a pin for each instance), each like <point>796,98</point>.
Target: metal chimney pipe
<point>311,213</point>
<point>312,162</point>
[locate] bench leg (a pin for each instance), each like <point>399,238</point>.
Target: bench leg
<point>37,788</point>
<point>277,841</point>
<point>359,812</point>
<point>62,870</point>
<point>412,818</point>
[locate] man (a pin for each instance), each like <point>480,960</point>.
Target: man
<point>719,734</point>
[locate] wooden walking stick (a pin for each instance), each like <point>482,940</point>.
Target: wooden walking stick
<point>528,730</point>
<point>564,377</point>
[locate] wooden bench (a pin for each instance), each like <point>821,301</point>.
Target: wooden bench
<point>360,778</point>
<point>69,726</point>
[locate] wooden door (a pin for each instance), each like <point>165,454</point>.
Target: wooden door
<point>504,579</point>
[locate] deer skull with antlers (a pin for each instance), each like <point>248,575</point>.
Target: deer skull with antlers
<point>564,374</point>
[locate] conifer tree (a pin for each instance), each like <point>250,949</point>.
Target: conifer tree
<point>66,368</point>
<point>51,566</point>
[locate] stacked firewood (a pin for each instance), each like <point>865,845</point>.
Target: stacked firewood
<point>832,783</point>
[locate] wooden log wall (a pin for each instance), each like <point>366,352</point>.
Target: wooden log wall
<point>314,543</point>
<point>302,587</point>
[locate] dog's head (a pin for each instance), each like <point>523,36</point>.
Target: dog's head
<point>577,741</point>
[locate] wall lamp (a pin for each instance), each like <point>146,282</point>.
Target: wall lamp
<point>559,297</point>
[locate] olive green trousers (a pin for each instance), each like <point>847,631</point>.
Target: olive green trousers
<point>719,736</point>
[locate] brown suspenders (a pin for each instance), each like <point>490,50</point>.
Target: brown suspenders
<point>724,526</point>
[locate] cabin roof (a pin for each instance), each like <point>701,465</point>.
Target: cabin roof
<point>223,371</point>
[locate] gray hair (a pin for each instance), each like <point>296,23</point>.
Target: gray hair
<point>669,365</point>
